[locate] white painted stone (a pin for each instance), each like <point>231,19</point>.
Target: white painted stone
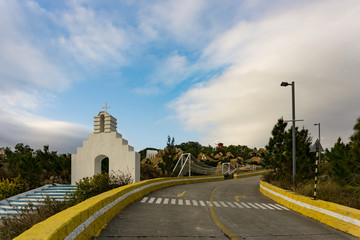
<point>104,142</point>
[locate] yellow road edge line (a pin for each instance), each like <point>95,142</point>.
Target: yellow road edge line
<point>215,218</point>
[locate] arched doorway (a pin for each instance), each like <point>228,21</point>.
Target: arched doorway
<point>101,164</point>
<point>105,165</point>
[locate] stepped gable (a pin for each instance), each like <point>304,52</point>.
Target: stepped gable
<point>104,143</point>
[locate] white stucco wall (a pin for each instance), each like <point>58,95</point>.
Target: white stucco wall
<point>100,145</point>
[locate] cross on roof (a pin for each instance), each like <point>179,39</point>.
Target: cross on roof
<point>106,107</point>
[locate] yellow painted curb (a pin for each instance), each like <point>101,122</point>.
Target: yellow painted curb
<point>340,217</point>
<point>88,218</point>
<point>250,173</point>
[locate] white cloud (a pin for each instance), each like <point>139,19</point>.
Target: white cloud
<point>27,128</point>
<point>178,20</point>
<point>92,37</point>
<point>315,44</point>
<point>25,67</point>
<point>30,78</point>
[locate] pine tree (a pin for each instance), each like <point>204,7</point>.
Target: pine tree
<point>276,148</point>
<point>354,163</point>
<point>338,157</point>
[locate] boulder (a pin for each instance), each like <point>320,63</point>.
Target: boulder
<point>256,160</point>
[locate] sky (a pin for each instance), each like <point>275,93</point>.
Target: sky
<point>205,71</point>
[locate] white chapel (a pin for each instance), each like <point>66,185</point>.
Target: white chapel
<point>104,144</point>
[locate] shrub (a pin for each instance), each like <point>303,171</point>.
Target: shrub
<point>12,187</point>
<point>30,215</point>
<point>99,183</point>
<point>148,172</point>
<point>87,187</point>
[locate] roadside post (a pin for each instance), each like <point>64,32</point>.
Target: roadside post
<point>318,149</point>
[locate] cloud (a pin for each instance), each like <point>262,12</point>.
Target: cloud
<point>27,128</point>
<point>314,44</point>
<point>30,79</point>
<point>92,37</point>
<point>173,19</point>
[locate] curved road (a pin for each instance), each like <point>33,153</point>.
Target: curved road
<point>239,211</point>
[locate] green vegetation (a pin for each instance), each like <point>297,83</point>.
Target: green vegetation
<point>339,171</point>
<point>23,169</point>
<point>196,148</point>
<point>12,187</point>
<point>87,187</point>
<point>91,186</point>
<point>279,153</point>
<point>164,162</point>
<point>11,227</point>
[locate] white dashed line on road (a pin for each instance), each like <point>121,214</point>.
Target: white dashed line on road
<point>218,204</point>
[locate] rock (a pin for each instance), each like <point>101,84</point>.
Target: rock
<point>203,157</point>
<point>218,156</point>
<point>229,155</point>
<point>256,160</point>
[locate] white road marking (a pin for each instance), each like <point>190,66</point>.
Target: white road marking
<point>216,204</point>
<point>182,202</point>
<point>285,208</point>
<point>239,205</point>
<point>276,207</point>
<point>222,203</point>
<point>267,206</point>
<point>252,205</point>
<point>245,205</point>
<point>260,206</point>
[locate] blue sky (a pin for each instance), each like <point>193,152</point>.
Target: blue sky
<point>203,71</point>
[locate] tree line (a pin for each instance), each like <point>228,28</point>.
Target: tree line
<point>341,163</point>
<point>35,167</point>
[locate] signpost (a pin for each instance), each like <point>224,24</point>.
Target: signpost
<point>318,149</point>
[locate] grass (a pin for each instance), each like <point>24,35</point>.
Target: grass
<point>327,190</point>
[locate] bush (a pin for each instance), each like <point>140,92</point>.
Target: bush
<point>87,187</point>
<point>148,172</point>
<point>12,187</point>
<point>99,183</point>
<point>15,225</point>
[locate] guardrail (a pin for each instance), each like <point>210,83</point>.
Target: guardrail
<point>340,217</point>
<point>88,218</point>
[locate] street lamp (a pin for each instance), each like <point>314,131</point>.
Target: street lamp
<point>285,84</point>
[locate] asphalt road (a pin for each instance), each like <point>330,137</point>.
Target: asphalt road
<point>239,211</point>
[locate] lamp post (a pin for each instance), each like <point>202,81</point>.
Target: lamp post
<point>285,84</point>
